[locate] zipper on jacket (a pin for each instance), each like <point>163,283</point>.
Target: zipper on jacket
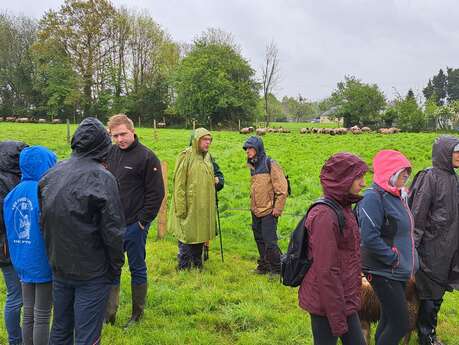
<point>410,215</point>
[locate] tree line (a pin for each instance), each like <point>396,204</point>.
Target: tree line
<point>88,58</point>
<point>358,103</point>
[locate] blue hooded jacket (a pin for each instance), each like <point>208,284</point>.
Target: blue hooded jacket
<point>22,214</point>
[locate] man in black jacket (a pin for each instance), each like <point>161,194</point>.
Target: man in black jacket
<point>10,176</point>
<point>434,203</point>
<point>139,176</point>
<point>83,224</point>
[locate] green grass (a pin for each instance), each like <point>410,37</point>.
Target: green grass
<point>226,304</point>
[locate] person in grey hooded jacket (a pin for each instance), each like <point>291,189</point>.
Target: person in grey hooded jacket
<point>434,199</point>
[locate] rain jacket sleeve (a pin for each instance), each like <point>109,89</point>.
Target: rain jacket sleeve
<point>324,231</point>
<point>154,190</point>
<point>180,182</point>
<point>280,186</point>
<point>112,225</point>
<point>421,205</point>
<point>371,221</point>
<point>218,173</point>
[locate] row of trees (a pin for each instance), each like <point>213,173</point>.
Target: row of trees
<point>363,104</point>
<point>91,59</point>
<point>87,58</point>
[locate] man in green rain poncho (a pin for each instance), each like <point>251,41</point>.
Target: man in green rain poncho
<point>193,210</point>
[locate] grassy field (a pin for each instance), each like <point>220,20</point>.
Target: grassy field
<point>226,304</point>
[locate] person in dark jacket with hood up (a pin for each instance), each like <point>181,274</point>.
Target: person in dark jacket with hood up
<point>434,199</point>
<point>83,223</point>
<point>331,289</point>
<point>268,193</point>
<point>10,176</point>
<point>27,248</point>
<point>389,257</point>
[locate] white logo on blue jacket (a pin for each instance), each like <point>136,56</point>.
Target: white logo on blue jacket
<point>22,217</point>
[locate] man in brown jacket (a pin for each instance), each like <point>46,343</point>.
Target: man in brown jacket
<point>268,194</point>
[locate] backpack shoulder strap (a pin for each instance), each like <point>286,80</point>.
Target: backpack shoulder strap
<point>413,187</point>
<point>418,174</point>
<point>337,208</point>
<point>268,164</point>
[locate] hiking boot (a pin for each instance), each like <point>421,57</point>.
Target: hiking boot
<point>139,293</point>
<point>112,304</point>
<point>427,322</point>
<point>430,340</point>
<point>273,256</point>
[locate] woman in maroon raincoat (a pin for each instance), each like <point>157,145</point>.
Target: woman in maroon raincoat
<point>330,290</point>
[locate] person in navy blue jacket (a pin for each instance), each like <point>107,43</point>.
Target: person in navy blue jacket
<point>389,256</point>
<point>27,248</point>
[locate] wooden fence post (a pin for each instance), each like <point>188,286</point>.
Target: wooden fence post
<point>162,215</point>
<point>68,131</point>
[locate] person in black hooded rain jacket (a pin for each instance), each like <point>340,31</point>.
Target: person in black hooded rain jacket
<point>434,199</point>
<point>10,176</point>
<point>83,224</point>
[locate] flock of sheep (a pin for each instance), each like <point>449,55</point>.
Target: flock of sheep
<point>27,120</point>
<point>315,130</point>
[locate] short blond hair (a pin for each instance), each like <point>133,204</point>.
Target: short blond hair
<point>118,120</point>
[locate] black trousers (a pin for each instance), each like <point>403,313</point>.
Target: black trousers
<point>265,234</point>
<point>427,320</point>
<point>394,323</point>
<point>322,333</point>
<point>189,254</point>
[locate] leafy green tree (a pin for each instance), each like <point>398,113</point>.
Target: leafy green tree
<point>452,84</point>
<point>439,83</point>
<point>55,79</point>
<point>298,108</point>
<point>411,117</point>
<point>17,94</point>
<point>83,30</point>
<point>358,103</point>
<point>275,109</point>
<point>390,116</point>
<point>430,111</point>
<point>429,91</point>
<point>214,81</point>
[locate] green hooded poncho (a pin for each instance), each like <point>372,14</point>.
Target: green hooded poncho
<point>192,215</point>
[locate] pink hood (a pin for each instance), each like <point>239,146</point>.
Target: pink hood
<point>385,164</point>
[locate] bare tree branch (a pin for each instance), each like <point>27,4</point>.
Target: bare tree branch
<point>270,76</point>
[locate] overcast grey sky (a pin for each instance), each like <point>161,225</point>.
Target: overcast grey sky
<point>395,44</point>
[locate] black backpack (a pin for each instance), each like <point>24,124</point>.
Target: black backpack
<point>414,188</point>
<point>295,263</point>
<point>289,189</point>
